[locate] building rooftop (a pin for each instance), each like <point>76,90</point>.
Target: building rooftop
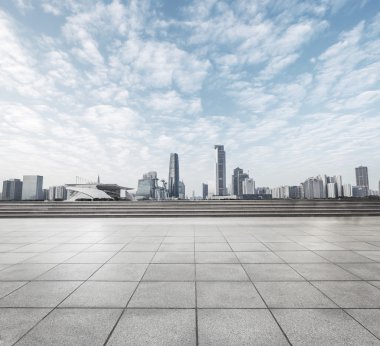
<point>190,281</point>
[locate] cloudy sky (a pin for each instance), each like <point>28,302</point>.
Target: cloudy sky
<point>291,88</point>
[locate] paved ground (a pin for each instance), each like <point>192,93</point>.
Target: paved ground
<point>231,281</point>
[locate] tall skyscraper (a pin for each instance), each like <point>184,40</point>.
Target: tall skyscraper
<point>362,176</point>
<point>314,188</point>
<point>248,186</point>
<point>220,183</point>
<point>237,181</point>
<point>32,188</point>
<point>173,181</point>
<point>181,190</point>
<point>12,190</point>
<point>204,191</point>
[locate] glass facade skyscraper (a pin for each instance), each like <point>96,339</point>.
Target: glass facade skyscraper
<point>12,190</point>
<point>32,188</point>
<point>362,176</point>
<point>173,181</point>
<point>220,183</point>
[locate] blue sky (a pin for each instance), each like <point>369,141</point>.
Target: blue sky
<point>291,88</point>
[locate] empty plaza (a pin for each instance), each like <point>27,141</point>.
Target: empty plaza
<point>190,281</point>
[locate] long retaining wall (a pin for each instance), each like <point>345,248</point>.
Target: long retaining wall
<point>227,208</point>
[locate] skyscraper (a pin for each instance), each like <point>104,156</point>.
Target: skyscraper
<point>220,183</point>
<point>204,191</point>
<point>12,190</point>
<point>173,181</point>
<point>314,188</point>
<point>362,176</point>
<point>237,181</point>
<point>32,188</point>
<point>248,186</point>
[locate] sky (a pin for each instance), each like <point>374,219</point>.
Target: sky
<point>290,88</point>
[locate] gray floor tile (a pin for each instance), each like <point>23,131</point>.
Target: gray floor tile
<point>7,287</point>
<point>350,294</point>
<point>323,271</point>
<point>24,271</point>
<point>375,283</point>
<point>369,318</point>
<point>228,295</point>
<point>322,327</point>
<point>170,272</point>
<point>215,257</point>
<point>285,246</point>
<point>73,327</point>
<point>293,295</point>
<point>343,256</point>
<point>258,257</point>
<point>212,247</point>
<point>248,247</point>
<point>272,272</point>
<point>70,272</point>
<point>40,294</point>
<point>99,294</point>
<point>164,295</point>
<point>16,322</point>
<point>220,272</point>
<point>91,257</point>
<point>366,271</point>
<point>300,257</point>
<point>238,327</point>
<point>141,247</point>
<point>120,272</point>
<point>177,247</point>
<point>155,327</point>
<point>70,247</point>
<point>105,248</point>
<point>51,257</point>
<point>174,257</point>
<point>132,257</point>
<point>13,258</point>
<point>373,255</point>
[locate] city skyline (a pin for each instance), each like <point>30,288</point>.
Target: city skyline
<point>291,90</point>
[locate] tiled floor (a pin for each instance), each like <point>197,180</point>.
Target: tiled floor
<point>194,281</point>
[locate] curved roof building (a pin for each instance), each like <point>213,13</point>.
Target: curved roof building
<point>97,192</point>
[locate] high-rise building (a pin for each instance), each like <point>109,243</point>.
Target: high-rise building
<point>347,190</point>
<point>12,190</point>
<point>362,176</point>
<point>181,190</point>
<point>32,188</point>
<point>60,193</point>
<point>339,186</point>
<point>173,181</point>
<point>248,186</point>
<point>360,191</point>
<point>46,194</point>
<point>220,183</point>
<point>331,190</point>
<point>295,192</point>
<point>204,191</point>
<point>237,181</point>
<point>52,193</point>
<point>314,188</point>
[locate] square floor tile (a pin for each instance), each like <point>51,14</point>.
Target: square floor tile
<point>343,256</point>
<point>51,257</point>
<point>70,272</point>
<point>285,246</point>
<point>248,247</point>
<point>40,294</point>
<point>350,294</point>
<point>220,272</point>
<point>7,287</point>
<point>24,271</point>
<point>272,272</point>
<point>99,294</point>
<point>322,327</point>
<point>174,257</point>
<point>168,247</point>
<point>323,271</point>
<point>164,295</point>
<point>73,327</point>
<point>366,271</point>
<point>13,258</point>
<point>238,327</point>
<point>91,257</point>
<point>120,272</point>
<point>212,247</point>
<point>16,322</point>
<point>292,295</point>
<point>132,257</point>
<point>155,327</point>
<point>228,295</point>
<point>300,257</point>
<point>170,272</point>
<point>215,257</point>
<point>141,247</point>
<point>373,255</point>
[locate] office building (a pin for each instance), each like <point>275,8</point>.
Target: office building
<point>339,186</point>
<point>248,186</point>
<point>220,170</point>
<point>360,191</point>
<point>181,190</point>
<point>61,193</point>
<point>148,187</point>
<point>237,181</point>
<point>295,192</point>
<point>263,191</point>
<point>331,190</point>
<point>204,191</point>
<point>51,193</point>
<point>362,176</point>
<point>173,181</point>
<point>347,190</point>
<point>12,190</point>
<point>314,188</point>
<point>32,188</point>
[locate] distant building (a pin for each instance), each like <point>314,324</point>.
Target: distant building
<point>46,194</point>
<point>51,193</point>
<point>295,192</point>
<point>12,190</point>
<point>32,188</point>
<point>331,190</point>
<point>248,186</point>
<point>362,176</point>
<point>61,193</point>
<point>263,191</point>
<point>360,191</point>
<point>182,190</point>
<point>173,181</point>
<point>204,191</point>
<point>220,170</point>
<point>237,181</point>
<point>347,190</point>
<point>339,186</point>
<point>147,185</point>
<point>281,192</point>
<point>314,188</point>
<point>97,192</point>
